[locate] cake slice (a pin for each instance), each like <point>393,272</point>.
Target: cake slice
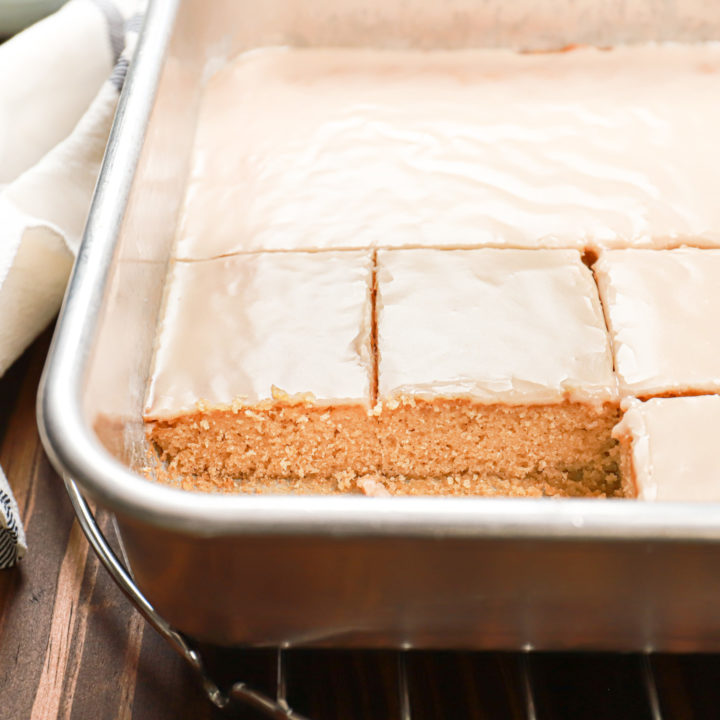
<point>263,368</point>
<point>495,363</point>
<point>663,312</point>
<point>669,448</point>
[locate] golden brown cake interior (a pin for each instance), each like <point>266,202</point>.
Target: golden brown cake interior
<point>280,441</point>
<point>566,446</point>
<point>627,467</point>
<point>448,446</point>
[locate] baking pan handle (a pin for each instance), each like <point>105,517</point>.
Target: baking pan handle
<point>239,694</point>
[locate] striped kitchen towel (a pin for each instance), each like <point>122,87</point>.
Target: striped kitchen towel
<point>59,85</point>
<point>12,536</point>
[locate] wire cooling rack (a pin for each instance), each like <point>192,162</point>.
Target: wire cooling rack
<point>423,685</point>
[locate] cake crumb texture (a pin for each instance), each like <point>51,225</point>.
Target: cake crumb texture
<point>454,447</point>
<point>283,441</point>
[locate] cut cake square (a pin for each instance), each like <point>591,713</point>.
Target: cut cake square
<point>663,312</point>
<point>495,363</point>
<point>263,367</point>
<point>669,448</point>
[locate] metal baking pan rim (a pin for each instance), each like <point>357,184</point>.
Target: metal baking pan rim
<point>77,454</point>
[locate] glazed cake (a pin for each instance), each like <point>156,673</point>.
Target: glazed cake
<point>663,312</point>
<point>495,363</point>
<point>456,149</point>
<point>308,366</point>
<point>669,448</point>
<point>263,367</point>
<point>389,293</point>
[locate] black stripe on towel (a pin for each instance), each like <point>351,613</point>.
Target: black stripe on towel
<point>8,535</point>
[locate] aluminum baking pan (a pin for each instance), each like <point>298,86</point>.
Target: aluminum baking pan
<point>345,571</point>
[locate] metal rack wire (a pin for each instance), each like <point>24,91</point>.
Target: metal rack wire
<point>527,706</point>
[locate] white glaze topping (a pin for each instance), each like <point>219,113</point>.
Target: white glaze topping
<point>674,447</point>
<point>508,326</point>
<point>254,327</point>
<point>320,148</point>
<point>663,311</point>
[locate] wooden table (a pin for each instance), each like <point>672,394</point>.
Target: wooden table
<point>71,646</point>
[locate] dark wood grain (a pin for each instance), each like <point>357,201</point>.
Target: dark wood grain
<point>478,686</point>
<point>604,687</point>
<point>344,684</point>
<point>72,647</point>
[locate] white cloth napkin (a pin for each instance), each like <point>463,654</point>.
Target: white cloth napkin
<point>58,94</point>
